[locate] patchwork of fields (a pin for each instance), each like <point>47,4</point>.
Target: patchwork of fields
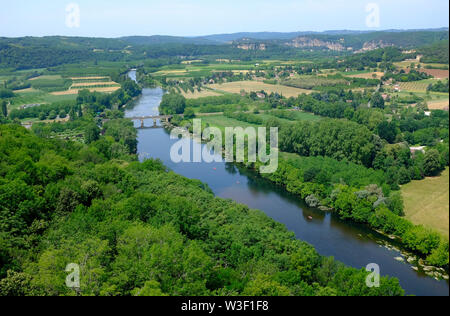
<point>98,84</point>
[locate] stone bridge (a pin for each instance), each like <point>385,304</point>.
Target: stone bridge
<point>155,118</point>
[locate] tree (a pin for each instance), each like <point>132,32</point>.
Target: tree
<point>377,101</point>
<point>387,131</point>
<point>173,103</point>
<point>72,114</point>
<point>52,115</point>
<point>6,93</point>
<point>4,108</point>
<point>189,113</point>
<point>432,163</point>
<point>62,114</point>
<point>42,116</point>
<point>91,133</point>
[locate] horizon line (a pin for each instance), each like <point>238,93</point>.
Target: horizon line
<point>234,33</point>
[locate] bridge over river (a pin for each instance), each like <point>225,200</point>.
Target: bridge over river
<point>154,118</point>
<point>165,119</point>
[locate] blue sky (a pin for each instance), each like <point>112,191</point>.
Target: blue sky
<point>114,18</point>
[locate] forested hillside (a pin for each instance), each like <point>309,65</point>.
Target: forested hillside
<point>33,52</point>
<point>435,53</point>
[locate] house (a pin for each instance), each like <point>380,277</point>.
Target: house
<point>417,149</point>
<point>261,95</point>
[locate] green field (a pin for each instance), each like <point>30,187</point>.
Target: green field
<point>427,202</point>
<point>32,97</point>
<point>416,86</point>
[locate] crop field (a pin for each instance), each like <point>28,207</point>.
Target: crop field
<point>94,84</point>
<point>368,75</point>
<point>97,89</point>
<point>32,96</point>
<point>311,82</point>
<point>202,94</point>
<point>90,79</point>
<point>437,73</point>
<point>416,86</point>
<point>427,202</point>
<point>46,77</point>
<point>439,105</point>
<point>191,71</point>
<point>255,86</point>
<point>407,63</point>
<point>61,83</point>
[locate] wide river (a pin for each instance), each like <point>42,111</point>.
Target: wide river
<point>351,244</point>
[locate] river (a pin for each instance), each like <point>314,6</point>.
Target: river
<point>349,243</point>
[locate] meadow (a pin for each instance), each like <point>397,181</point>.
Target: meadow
<point>427,202</point>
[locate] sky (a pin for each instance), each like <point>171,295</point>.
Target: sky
<point>115,18</point>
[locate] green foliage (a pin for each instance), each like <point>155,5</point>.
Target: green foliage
<point>330,138</point>
<point>432,162</point>
<point>435,53</point>
<point>4,109</point>
<point>377,101</point>
<point>439,87</point>
<point>6,93</point>
<point>91,133</point>
<point>172,103</point>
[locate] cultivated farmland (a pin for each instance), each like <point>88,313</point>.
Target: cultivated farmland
<point>255,86</point>
<point>202,94</point>
<point>368,75</point>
